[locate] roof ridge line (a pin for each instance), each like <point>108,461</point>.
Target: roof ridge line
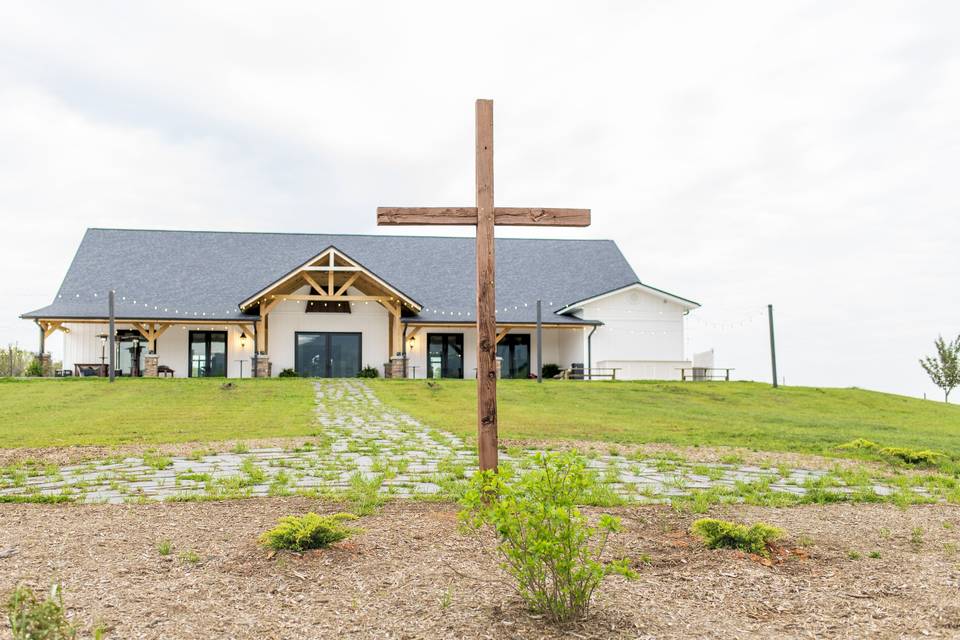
<point>355,235</point>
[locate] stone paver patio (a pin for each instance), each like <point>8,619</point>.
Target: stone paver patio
<point>366,443</point>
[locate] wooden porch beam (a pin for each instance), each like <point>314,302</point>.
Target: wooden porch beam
<point>326,268</point>
<point>161,328</point>
<point>49,328</point>
<point>346,285</point>
<point>323,298</point>
<point>266,308</point>
<point>501,334</point>
<point>313,283</point>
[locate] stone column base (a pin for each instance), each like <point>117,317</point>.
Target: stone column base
<point>46,364</point>
<point>263,369</point>
<point>150,363</point>
<point>499,367</point>
<point>397,368</point>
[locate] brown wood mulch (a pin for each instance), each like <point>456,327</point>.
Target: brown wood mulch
<point>412,575</point>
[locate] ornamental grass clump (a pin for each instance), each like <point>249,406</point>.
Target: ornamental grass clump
<point>311,531</point>
<point>548,547</point>
<point>34,619</point>
<point>718,534</point>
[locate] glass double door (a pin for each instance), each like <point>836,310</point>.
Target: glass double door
<point>445,355</point>
<point>514,350</point>
<point>208,354</point>
<point>328,355</point>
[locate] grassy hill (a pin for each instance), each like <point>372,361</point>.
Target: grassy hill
<point>40,413</point>
<point>82,411</point>
<point>748,414</point>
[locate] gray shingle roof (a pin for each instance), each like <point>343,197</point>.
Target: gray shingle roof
<point>203,274</point>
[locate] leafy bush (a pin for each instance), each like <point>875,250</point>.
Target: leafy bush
<point>34,369</point>
<point>288,373</point>
<point>914,457</point>
<point>550,370</point>
<point>312,531</point>
<point>368,372</point>
<point>546,544</point>
<point>31,619</point>
<point>722,534</point>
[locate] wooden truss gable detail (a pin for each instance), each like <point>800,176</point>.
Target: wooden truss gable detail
<point>330,276</point>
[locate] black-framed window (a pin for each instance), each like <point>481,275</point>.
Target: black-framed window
<point>444,355</point>
<point>328,354</point>
<point>514,351</point>
<point>208,354</point>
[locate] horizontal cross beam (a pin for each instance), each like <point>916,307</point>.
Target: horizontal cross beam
<point>326,298</point>
<point>511,216</point>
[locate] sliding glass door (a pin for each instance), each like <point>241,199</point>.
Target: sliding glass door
<point>445,355</point>
<point>328,355</point>
<point>208,354</point>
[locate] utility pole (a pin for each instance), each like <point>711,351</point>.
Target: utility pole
<point>539,345</point>
<point>113,336</point>
<point>773,346</point>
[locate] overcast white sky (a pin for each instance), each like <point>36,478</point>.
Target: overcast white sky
<point>804,154</point>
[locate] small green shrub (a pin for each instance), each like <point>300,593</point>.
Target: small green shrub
<point>311,531</point>
<point>288,373</point>
<point>546,544</point>
<point>551,370</point>
<point>916,457</point>
<point>368,372</point>
<point>859,443</point>
<point>164,547</point>
<point>34,369</point>
<point>722,534</point>
<point>32,619</point>
<point>913,457</point>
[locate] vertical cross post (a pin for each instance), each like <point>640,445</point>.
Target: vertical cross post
<point>485,217</point>
<point>486,292</point>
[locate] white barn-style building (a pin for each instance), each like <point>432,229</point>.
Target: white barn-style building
<point>191,303</point>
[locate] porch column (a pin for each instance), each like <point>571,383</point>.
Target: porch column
<point>151,364</point>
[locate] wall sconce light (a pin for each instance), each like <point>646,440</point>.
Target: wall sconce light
<point>413,342</point>
<point>243,340</point>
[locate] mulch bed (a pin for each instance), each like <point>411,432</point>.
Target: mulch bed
<point>412,575</point>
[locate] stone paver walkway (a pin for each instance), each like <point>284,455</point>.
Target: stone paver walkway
<point>366,443</point>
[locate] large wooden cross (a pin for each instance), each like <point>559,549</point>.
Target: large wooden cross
<point>484,216</point>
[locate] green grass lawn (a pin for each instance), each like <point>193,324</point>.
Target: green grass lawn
<point>747,414</point>
<point>41,413</point>
<point>57,412</point>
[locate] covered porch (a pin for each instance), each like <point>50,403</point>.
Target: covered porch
<point>449,350</point>
<point>153,348</point>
